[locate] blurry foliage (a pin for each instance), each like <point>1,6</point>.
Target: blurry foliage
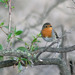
<point>28,48</point>
<point>6,3</point>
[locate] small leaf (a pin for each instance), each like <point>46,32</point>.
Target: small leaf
<point>24,59</point>
<point>1,47</point>
<point>34,40</point>
<point>19,32</point>
<point>26,44</point>
<point>9,36</point>
<point>36,48</point>
<point>39,35</point>
<point>34,37</point>
<point>1,57</point>
<point>2,1</point>
<point>12,7</point>
<point>6,5</point>
<point>19,67</point>
<point>32,48</point>
<point>20,39</point>
<point>2,24</point>
<point>6,0</point>
<point>22,49</point>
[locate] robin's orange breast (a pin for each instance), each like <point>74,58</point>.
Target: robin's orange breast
<point>47,32</point>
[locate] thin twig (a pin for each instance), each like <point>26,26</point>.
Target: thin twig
<point>9,16</point>
<point>4,31</point>
<point>73,1</point>
<point>8,47</point>
<point>45,49</point>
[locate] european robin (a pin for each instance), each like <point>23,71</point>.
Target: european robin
<point>48,33</point>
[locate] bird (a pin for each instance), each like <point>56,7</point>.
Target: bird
<point>48,33</point>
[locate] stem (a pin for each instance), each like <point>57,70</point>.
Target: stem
<point>9,4</point>
<point>4,31</point>
<point>9,16</point>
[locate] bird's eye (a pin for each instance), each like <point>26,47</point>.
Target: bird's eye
<point>46,26</point>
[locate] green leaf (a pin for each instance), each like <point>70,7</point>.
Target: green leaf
<point>2,24</point>
<point>19,32</point>
<point>9,36</point>
<point>24,59</point>
<point>32,48</point>
<point>36,48</point>
<point>1,57</point>
<point>39,35</point>
<point>6,5</point>
<point>19,67</point>
<point>1,1</point>
<point>22,49</point>
<point>34,37</point>
<point>1,47</point>
<point>26,44</point>
<point>20,39</point>
<point>4,1</point>
<point>12,7</point>
<point>34,40</point>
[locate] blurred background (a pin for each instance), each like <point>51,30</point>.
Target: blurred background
<point>29,16</point>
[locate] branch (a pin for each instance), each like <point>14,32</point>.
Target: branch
<point>8,46</point>
<point>4,31</point>
<point>15,53</point>
<point>58,50</point>
<point>9,16</point>
<point>45,49</point>
<point>18,53</point>
<point>53,61</point>
<point>73,1</point>
<point>7,63</point>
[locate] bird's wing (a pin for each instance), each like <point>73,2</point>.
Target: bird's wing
<point>56,34</point>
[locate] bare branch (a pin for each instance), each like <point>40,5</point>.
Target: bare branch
<point>45,49</point>
<point>58,50</point>
<point>7,63</point>
<point>4,31</point>
<point>8,46</point>
<point>53,61</point>
<point>73,1</point>
<point>9,16</point>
